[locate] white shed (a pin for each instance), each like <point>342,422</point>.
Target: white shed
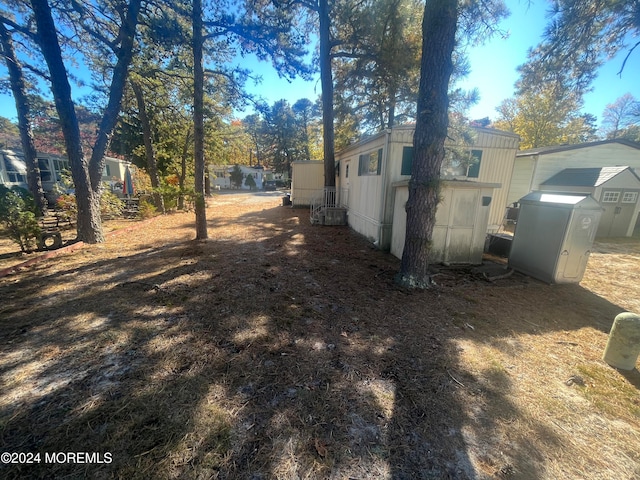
<point>461,221</point>
<point>307,181</point>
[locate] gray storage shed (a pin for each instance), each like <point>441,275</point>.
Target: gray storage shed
<point>554,236</point>
<point>617,189</point>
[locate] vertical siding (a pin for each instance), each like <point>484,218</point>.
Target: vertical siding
<point>307,181</point>
<point>498,157</point>
<point>365,191</point>
<point>521,178</point>
<point>460,226</point>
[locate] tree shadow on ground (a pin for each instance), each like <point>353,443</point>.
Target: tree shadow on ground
<point>276,349</point>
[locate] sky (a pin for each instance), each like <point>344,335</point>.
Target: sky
<point>493,70</point>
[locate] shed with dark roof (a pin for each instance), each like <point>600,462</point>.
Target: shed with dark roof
<point>617,189</point>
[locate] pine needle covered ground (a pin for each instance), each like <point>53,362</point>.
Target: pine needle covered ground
<point>281,350</point>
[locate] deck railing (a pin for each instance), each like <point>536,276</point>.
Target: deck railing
<point>343,198</point>
<point>327,199</point>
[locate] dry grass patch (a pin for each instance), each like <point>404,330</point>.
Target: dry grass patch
<point>281,350</point>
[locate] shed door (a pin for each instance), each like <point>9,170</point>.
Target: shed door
<point>580,241</point>
<point>344,190</point>
<point>464,210</point>
<point>619,206</point>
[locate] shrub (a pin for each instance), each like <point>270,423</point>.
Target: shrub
<point>110,205</point>
<point>17,215</point>
<point>146,209</point>
<point>170,194</point>
<point>66,203</point>
<point>250,182</point>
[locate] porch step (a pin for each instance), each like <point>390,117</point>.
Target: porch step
<point>330,216</point>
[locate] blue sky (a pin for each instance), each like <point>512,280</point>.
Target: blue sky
<point>493,68</point>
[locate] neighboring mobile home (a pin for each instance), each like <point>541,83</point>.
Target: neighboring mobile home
<point>221,175</point>
<point>373,171</point>
<point>13,170</point>
<point>534,166</point>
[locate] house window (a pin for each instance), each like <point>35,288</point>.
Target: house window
<point>460,166</point>
<point>407,160</point>
<point>346,171</point>
<point>60,166</point>
<point>629,197</point>
<point>16,170</point>
<point>473,171</point>
<point>610,197</point>
<point>45,172</point>
<point>370,163</point>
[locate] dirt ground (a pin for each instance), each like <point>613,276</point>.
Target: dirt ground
<point>277,349</point>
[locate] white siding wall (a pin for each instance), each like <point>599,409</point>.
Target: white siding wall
<point>307,181</point>
<point>521,178</point>
<point>498,155</point>
<point>364,191</point>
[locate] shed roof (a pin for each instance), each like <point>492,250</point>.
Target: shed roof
<point>562,200</point>
<point>563,148</point>
<point>586,177</point>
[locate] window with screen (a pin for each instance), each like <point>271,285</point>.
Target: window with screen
<point>461,165</point>
<point>370,163</point>
<point>475,158</point>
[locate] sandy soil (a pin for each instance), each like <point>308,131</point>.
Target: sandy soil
<point>277,349</point>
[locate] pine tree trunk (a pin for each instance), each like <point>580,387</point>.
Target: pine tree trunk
<point>18,89</point>
<point>198,121</point>
<point>86,176</point>
<point>326,81</point>
<point>126,36</point>
<point>438,40</point>
<point>89,223</point>
<point>148,145</point>
<point>182,178</point>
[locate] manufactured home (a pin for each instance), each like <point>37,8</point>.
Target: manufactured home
<point>534,166</point>
<point>617,189</point>
<point>221,175</point>
<point>13,170</point>
<point>372,175</point>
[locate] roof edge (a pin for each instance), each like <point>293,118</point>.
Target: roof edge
<point>576,146</point>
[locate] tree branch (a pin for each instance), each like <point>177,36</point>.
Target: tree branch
<point>624,62</point>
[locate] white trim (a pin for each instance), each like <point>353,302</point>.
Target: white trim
<point>629,197</point>
<point>610,196</point>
